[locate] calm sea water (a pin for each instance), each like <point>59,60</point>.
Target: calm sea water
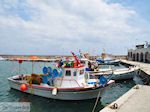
<point>39,104</point>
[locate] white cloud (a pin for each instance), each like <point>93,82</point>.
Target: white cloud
<point>58,26</point>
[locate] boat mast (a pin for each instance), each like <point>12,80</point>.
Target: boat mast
<point>76,58</point>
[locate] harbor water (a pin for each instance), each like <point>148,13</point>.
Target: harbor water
<point>39,104</point>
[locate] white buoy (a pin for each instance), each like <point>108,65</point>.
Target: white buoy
<point>54,91</point>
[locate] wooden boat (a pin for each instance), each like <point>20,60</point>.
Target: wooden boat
<point>107,70</point>
<point>108,62</point>
<point>64,82</point>
<point>119,73</point>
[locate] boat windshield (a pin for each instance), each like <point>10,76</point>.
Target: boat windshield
<point>105,66</point>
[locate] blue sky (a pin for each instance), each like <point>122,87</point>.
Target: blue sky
<point>142,7</point>
<point>47,27</point>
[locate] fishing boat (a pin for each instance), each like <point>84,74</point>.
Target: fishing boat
<point>116,73</point>
<point>119,73</point>
<point>108,62</point>
<point>106,59</point>
<point>125,73</point>
<point>65,81</point>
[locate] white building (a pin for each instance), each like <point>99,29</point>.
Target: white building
<point>141,53</point>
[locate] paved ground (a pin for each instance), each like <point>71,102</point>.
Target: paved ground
<point>135,100</point>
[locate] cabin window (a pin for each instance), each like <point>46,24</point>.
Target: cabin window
<point>81,71</point>
<point>83,62</point>
<point>74,73</point>
<point>68,73</point>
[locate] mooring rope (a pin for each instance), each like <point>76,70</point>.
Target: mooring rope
<point>108,79</point>
<point>96,101</point>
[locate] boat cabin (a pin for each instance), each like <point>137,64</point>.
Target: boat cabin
<point>72,77</point>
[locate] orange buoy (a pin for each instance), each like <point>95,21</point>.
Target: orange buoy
<point>23,87</point>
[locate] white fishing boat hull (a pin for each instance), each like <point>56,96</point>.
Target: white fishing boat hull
<point>124,74</point>
<point>118,74</point>
<point>61,94</point>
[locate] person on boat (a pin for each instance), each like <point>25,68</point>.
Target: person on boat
<point>91,68</point>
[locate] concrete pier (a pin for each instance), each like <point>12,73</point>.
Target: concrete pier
<point>145,67</point>
<point>135,100</point>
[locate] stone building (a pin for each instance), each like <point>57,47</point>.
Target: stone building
<point>141,53</point>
